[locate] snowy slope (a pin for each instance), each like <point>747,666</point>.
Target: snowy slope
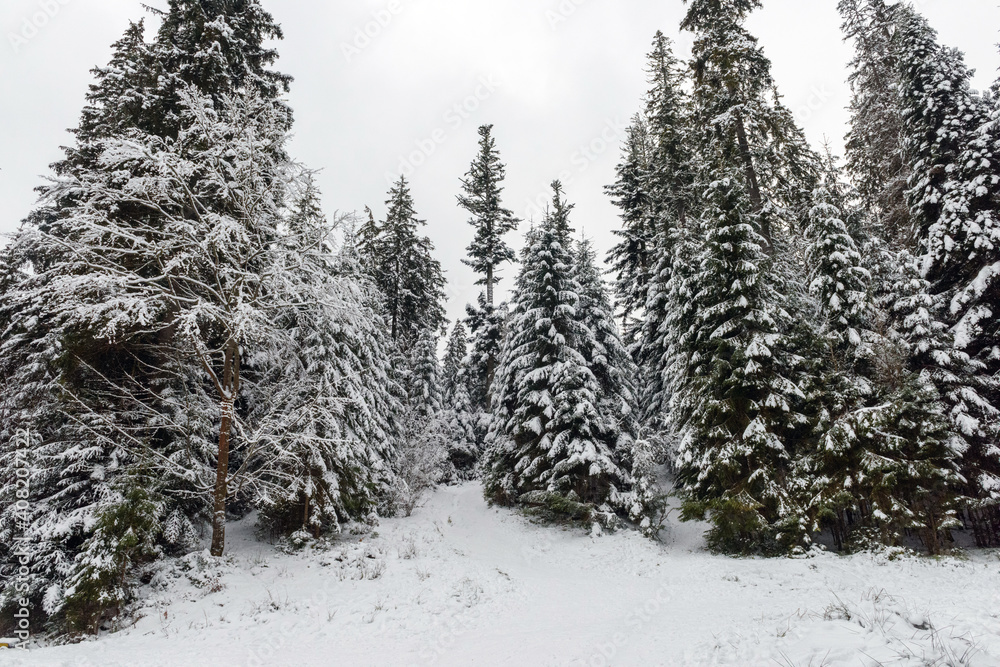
<point>462,584</point>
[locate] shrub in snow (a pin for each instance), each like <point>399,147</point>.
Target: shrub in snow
<point>101,582</point>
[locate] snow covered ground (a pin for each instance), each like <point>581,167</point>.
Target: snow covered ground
<point>462,584</point>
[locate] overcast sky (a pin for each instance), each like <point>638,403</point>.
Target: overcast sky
<point>558,78</point>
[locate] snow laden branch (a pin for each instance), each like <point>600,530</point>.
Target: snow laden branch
<point>202,243</point>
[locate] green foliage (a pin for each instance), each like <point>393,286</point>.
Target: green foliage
<point>125,536</point>
<point>551,507</point>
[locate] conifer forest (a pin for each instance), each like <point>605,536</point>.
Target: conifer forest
<point>242,425</point>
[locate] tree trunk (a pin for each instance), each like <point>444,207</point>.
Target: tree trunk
<point>222,480</point>
<point>489,286</point>
<point>228,389</point>
<point>752,181</point>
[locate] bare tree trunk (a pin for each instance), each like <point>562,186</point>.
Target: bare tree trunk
<point>491,362</point>
<point>228,390</point>
<point>222,480</point>
<point>489,285</point>
<point>752,181</point>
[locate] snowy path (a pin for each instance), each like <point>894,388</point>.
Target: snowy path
<point>461,584</point>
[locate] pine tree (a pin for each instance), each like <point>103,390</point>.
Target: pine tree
<point>453,366</point>
<point>653,188</point>
<point>325,406</point>
<point>736,401</point>
<point>608,360</point>
<point>738,109</point>
<point>954,199</point>
<point>734,458</point>
<point>487,324</point>
<point>954,192</point>
<point>50,361</point>
<point>126,534</point>
<point>876,157</point>
<point>425,437</point>
<point>839,281</point>
<point>465,424</point>
<point>215,282</point>
<point>404,268</point>
<point>218,47</point>
<point>482,198</point>
<point>665,345</point>
<point>631,258</point>
<point>669,181</point>
<point>549,443</point>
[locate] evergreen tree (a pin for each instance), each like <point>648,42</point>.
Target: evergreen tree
<point>71,394</point>
<point>213,278</point>
<point>219,47</point>
<point>482,198</point>
<point>736,405</point>
<point>404,269</point>
<point>631,258</point>
<point>425,438</point>
<point>669,182</point>
<point>608,359</point>
<point>465,424</point>
<point>839,281</point>
<point>954,199</point>
<point>325,405</point>
<point>126,534</point>
<point>423,382</point>
<point>738,109</point>
<point>876,157</point>
<point>549,442</point>
<point>736,401</point>
<point>487,324</point>
<point>453,366</point>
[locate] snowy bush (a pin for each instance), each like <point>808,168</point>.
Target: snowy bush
<point>101,581</point>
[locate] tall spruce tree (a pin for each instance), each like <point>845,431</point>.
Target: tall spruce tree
<point>549,442</point>
<point>482,198</point>
<point>669,181</point>
<point>736,405</point>
<point>466,425</point>
<point>631,259</point>
<point>455,356</point>
<point>954,198</point>
<point>325,408</point>
<point>404,269</point>
<point>609,361</point>
<point>736,99</point>
<point>112,380</point>
<point>876,157</point>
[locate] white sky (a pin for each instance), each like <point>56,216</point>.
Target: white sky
<point>558,88</point>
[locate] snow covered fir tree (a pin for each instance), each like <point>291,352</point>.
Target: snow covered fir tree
<point>815,347</point>
<point>560,435</point>
<point>792,351</point>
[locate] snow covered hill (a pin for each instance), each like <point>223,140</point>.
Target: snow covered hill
<point>460,583</point>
